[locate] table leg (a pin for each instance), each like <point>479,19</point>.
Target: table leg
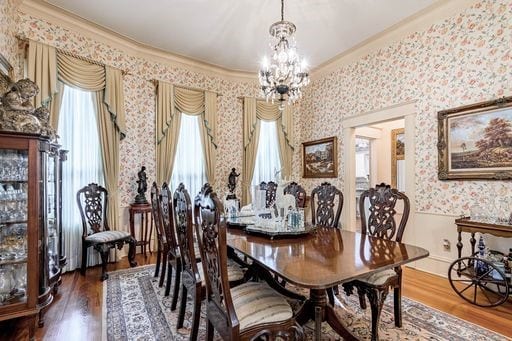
<point>146,240</point>
<point>318,309</point>
<point>150,233</point>
<point>142,246</point>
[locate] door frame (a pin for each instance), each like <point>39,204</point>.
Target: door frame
<point>406,111</point>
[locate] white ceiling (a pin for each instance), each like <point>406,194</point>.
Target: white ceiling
<point>234,33</point>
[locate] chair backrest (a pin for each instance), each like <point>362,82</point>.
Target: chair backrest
<point>325,209</point>
<point>92,203</point>
<point>185,231</point>
<point>298,192</point>
<point>381,218</point>
<point>157,217</point>
<point>167,214</point>
<point>270,195</point>
<point>212,233</point>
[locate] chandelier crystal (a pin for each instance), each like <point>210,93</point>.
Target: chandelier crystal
<point>286,73</point>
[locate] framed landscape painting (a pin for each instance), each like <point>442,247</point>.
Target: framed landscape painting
<point>320,158</point>
<point>475,141</point>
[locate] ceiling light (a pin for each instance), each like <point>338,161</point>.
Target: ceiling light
<point>284,75</point>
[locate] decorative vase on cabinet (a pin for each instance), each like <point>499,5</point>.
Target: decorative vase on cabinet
<point>29,225</point>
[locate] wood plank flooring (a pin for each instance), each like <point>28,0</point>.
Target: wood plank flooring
<point>76,312</point>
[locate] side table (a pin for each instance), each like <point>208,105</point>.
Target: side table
<point>146,225</point>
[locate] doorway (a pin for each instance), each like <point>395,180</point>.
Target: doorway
<point>377,127</point>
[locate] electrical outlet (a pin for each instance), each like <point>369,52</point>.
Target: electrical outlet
<point>446,245</point>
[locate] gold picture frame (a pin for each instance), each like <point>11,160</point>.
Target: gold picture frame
<point>320,158</point>
<point>473,142</point>
<point>397,153</point>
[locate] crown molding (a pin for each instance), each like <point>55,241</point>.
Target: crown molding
<point>419,21</point>
<point>43,10</point>
<point>438,11</point>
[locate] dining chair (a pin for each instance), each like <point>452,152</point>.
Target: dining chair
<point>192,272</point>
<point>298,192</point>
<point>378,220</point>
<point>270,189</point>
<point>248,311</point>
<point>173,258</point>
<point>92,203</point>
<point>160,233</point>
<point>325,208</point>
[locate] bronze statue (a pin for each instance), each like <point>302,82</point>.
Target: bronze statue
<point>232,183</point>
<point>142,187</point>
<point>18,114</point>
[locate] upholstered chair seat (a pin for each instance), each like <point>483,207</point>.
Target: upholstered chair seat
<point>377,278</point>
<point>235,272</point>
<point>256,303</point>
<point>107,236</point>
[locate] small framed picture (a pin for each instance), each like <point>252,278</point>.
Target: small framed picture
<point>475,141</point>
<point>320,158</point>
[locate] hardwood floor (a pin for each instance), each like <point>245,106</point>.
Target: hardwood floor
<point>76,312</point>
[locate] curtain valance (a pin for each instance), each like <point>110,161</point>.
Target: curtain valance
<point>172,101</point>
<point>254,111</point>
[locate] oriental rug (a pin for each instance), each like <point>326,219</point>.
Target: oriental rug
<point>135,308</point>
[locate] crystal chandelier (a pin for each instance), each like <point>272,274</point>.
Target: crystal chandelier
<point>286,74</point>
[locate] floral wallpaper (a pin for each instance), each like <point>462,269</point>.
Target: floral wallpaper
<point>8,27</point>
<point>462,60</point>
<point>138,148</point>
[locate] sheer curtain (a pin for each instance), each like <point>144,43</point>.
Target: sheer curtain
<point>267,156</point>
<point>78,133</point>
<point>189,165</point>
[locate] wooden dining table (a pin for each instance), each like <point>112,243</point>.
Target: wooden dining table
<point>320,260</point>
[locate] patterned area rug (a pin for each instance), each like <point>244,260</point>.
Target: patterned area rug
<point>134,308</point>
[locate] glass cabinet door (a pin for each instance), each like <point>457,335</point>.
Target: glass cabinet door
<point>51,216</point>
<point>13,225</point>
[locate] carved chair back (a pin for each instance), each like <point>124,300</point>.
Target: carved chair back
<point>382,210</point>
<point>185,231</point>
<point>92,203</point>
<point>326,205</point>
<point>270,195</point>
<point>212,233</point>
<point>298,192</point>
<point>157,217</point>
<point>167,214</point>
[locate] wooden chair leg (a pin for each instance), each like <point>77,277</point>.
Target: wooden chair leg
<point>397,298</point>
<point>104,261</point>
<point>177,281</point>
<point>209,331</point>
<point>158,259</point>
<point>168,281</point>
<point>183,305</point>
<point>376,298</point>
<point>84,259</point>
<point>165,260</point>
<point>196,313</point>
<point>131,252</point>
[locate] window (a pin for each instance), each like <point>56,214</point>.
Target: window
<point>267,156</point>
<point>78,133</point>
<point>189,164</point>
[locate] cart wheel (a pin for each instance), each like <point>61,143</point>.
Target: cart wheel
<point>478,281</point>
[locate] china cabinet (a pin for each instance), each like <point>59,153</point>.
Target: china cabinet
<point>30,262</point>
